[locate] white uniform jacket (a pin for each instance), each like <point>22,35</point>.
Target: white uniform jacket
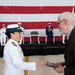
<point>14,60</point>
<point>2,31</point>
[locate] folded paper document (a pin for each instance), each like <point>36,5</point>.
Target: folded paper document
<point>50,64</point>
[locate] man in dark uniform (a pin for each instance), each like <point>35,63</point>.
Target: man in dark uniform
<point>49,32</point>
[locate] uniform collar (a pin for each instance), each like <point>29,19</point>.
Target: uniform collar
<point>14,41</point>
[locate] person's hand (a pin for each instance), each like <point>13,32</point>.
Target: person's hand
<point>51,64</point>
<point>40,63</point>
<point>59,69</point>
<point>60,63</point>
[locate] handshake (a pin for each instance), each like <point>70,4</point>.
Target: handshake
<point>48,64</point>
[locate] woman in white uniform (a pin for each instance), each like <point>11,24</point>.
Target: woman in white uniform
<point>13,55</point>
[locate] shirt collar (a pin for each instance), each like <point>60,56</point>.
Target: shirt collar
<point>14,41</point>
<point>69,34</point>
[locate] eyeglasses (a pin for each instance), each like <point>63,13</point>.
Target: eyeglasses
<point>60,22</point>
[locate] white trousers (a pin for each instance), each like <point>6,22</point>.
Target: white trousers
<point>3,40</point>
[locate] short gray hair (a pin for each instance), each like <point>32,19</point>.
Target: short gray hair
<point>68,16</point>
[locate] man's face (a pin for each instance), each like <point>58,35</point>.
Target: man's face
<point>16,36</point>
<point>19,25</point>
<point>3,26</point>
<point>49,26</point>
<point>62,27</point>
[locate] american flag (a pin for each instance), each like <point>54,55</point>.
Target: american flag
<point>34,14</point>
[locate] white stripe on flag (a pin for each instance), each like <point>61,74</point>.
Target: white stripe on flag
<point>37,2</point>
<point>28,17</point>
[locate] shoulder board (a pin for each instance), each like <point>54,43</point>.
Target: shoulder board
<point>14,44</point>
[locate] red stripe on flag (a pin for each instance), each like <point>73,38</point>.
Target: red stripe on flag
<point>34,9</point>
<point>33,25</point>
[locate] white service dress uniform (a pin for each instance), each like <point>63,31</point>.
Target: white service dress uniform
<point>14,60</point>
<point>3,36</point>
<point>22,37</point>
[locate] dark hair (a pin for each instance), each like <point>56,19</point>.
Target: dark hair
<point>8,35</point>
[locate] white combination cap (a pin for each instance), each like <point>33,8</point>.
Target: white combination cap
<point>49,23</point>
<point>13,28</point>
<point>19,23</point>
